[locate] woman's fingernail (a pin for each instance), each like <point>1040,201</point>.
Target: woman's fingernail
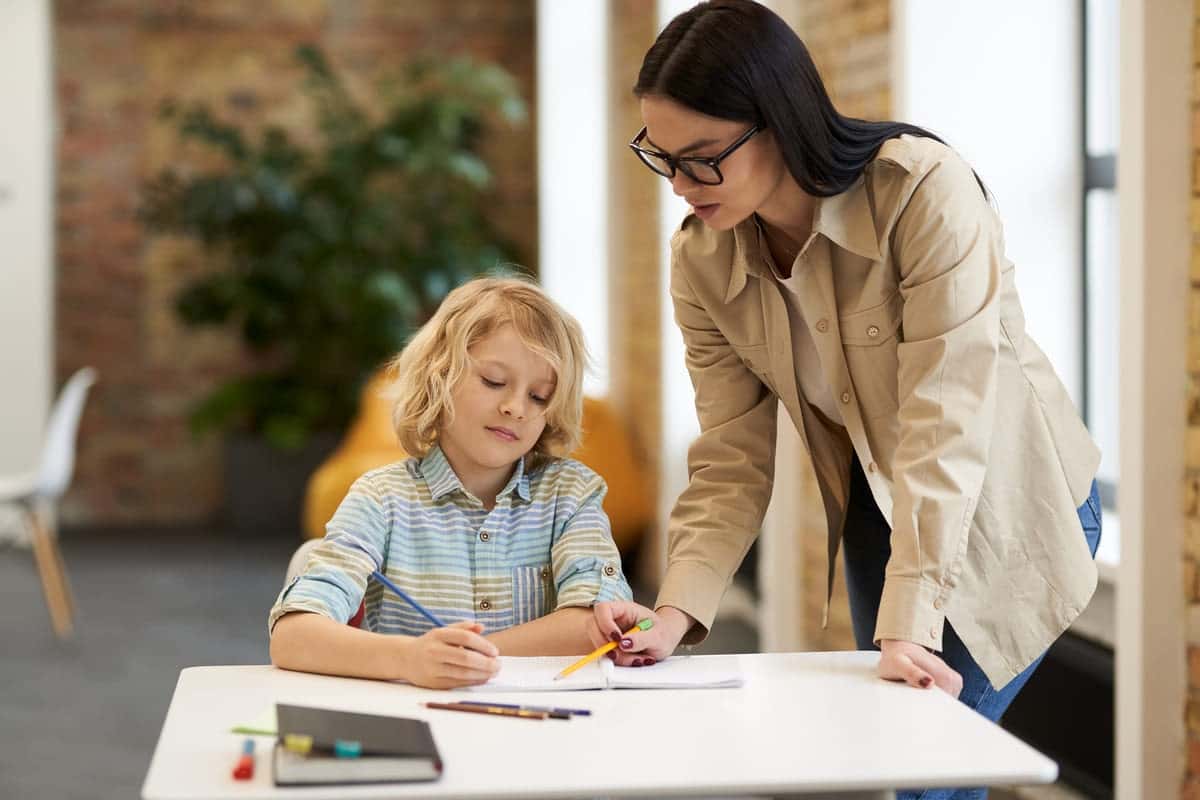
<point>614,637</point>
<point>637,662</point>
<point>626,644</point>
<point>649,662</point>
<point>926,681</point>
<point>612,654</point>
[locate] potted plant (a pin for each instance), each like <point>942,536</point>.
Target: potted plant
<point>329,254</point>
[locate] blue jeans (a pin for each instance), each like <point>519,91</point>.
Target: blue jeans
<point>866,547</point>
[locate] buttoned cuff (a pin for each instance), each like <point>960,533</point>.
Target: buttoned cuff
<point>911,611</point>
<point>290,601</point>
<point>596,581</point>
<point>696,589</point>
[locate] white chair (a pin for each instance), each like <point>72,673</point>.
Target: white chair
<point>37,493</point>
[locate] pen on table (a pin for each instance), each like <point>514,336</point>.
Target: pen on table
<point>244,769</point>
<point>498,711</point>
<point>403,595</point>
<point>577,712</point>
<point>644,625</point>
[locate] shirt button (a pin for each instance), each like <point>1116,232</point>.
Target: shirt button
<point>545,573</point>
<point>610,570</point>
<point>873,331</point>
<point>933,634</point>
<point>872,467</point>
<point>845,397</point>
<point>938,604</point>
<point>484,536</point>
<point>484,605</point>
<point>822,325</point>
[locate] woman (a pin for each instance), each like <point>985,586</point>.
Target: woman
<point>856,272</point>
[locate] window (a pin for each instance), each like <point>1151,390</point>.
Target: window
<point>1100,129</point>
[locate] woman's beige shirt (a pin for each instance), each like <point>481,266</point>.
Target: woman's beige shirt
<point>971,445</point>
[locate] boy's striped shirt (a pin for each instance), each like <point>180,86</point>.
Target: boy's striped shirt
<point>545,545</point>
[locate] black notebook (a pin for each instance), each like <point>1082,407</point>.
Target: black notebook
<point>392,748</point>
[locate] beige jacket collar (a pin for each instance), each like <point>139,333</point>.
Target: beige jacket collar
<point>844,219</point>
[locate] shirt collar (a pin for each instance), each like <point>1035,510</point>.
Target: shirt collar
<point>442,480</point>
<point>845,219</point>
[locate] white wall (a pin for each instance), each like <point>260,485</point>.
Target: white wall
<point>572,130</point>
<point>26,263</point>
<point>679,425</point>
<point>1000,82</point>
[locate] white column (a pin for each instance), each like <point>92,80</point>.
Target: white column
<point>1154,175</point>
<point>679,425</point>
<point>26,229</point>
<point>573,197</point>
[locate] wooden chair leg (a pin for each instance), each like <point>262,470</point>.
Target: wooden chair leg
<point>54,579</point>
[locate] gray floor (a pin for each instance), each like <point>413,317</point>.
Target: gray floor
<point>79,720</point>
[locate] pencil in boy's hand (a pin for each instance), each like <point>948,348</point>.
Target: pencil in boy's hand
<point>644,625</point>
<point>406,597</point>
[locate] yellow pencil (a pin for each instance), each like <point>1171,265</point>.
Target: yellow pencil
<point>644,625</point>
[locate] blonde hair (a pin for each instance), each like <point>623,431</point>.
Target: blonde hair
<point>426,372</point>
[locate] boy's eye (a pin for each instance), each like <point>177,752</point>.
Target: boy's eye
<point>541,401</point>
<point>491,384</point>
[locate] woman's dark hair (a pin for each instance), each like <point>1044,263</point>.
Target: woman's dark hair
<point>737,60</point>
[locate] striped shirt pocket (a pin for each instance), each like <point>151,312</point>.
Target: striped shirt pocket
<point>531,593</point>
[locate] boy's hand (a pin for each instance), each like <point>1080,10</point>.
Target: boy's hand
<point>445,658</point>
<point>642,648</point>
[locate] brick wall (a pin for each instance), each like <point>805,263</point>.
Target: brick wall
<point>1191,586</point>
<point>115,61</point>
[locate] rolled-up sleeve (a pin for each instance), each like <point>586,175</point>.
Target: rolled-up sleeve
<point>584,557</point>
<point>335,578</point>
<point>950,254</point>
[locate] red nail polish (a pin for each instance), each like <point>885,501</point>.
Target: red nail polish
<point>926,681</point>
<point>637,662</point>
<point>649,662</point>
<point>626,644</point>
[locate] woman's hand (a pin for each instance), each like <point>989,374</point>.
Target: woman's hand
<point>455,655</point>
<point>641,648</point>
<point>916,666</point>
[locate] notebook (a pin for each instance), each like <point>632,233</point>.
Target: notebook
<point>677,672</point>
<point>393,748</point>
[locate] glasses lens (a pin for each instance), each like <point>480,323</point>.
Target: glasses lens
<point>659,165</point>
<point>700,172</point>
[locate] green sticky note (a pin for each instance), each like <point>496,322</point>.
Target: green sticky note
<point>262,725</point>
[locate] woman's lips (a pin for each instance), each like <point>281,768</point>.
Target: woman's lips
<point>706,210</point>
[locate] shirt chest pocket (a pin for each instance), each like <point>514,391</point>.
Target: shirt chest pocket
<point>532,592</point>
<point>870,340</point>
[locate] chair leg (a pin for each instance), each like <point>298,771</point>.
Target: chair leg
<point>54,578</point>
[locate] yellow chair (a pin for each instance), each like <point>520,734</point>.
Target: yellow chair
<point>371,442</point>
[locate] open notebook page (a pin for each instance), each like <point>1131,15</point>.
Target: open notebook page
<point>678,672</point>
<point>536,674</point>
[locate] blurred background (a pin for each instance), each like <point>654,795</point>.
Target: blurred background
<point>220,218</point>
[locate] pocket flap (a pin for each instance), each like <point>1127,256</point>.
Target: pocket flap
<point>874,326</point>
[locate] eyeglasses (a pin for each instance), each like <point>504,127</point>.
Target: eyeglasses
<point>701,169</point>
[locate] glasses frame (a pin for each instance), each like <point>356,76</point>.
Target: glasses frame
<point>681,164</point>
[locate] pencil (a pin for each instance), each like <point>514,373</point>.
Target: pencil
<point>499,711</point>
<point>644,625</point>
<point>403,595</point>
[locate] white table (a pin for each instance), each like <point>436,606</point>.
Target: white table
<point>810,724</point>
